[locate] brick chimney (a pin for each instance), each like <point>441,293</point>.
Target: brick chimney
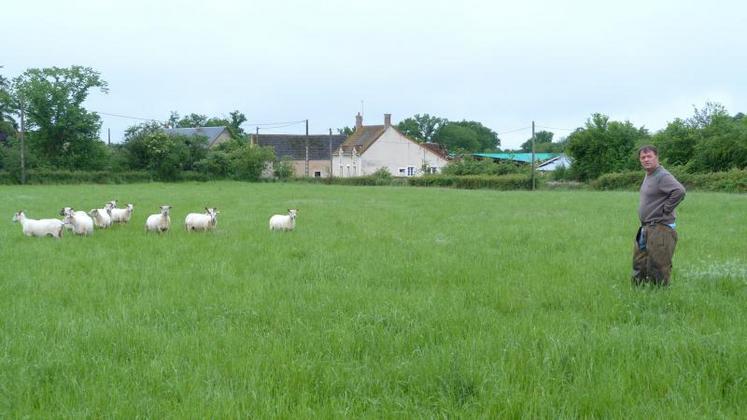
<point>358,121</point>
<point>387,120</point>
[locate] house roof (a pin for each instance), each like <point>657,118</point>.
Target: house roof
<point>294,145</point>
<point>212,133</point>
<point>366,135</point>
<point>363,138</point>
<point>551,164</point>
<point>437,149</point>
<point>518,157</point>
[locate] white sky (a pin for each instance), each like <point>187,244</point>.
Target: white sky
<point>503,63</point>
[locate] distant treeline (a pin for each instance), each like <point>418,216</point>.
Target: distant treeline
<point>61,135</point>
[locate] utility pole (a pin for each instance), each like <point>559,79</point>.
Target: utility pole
<point>22,136</point>
<point>307,149</point>
<point>256,138</point>
<point>109,136</point>
<point>331,168</point>
<point>532,155</point>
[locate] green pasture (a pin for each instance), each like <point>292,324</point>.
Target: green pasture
<point>385,302</point>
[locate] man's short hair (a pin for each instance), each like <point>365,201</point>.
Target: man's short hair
<point>648,148</point>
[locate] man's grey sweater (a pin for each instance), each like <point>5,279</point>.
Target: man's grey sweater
<point>660,194</point>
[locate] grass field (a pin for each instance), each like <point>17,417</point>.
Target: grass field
<point>384,302</point>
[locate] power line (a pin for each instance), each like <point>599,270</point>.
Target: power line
<point>282,123</point>
<point>126,116</point>
<point>512,131</point>
<point>279,124</point>
<point>556,128</point>
<point>275,128</point>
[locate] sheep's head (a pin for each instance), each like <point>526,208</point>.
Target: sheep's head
<point>18,216</point>
<point>165,210</point>
<point>292,213</point>
<point>213,213</point>
<point>130,207</point>
<point>111,205</point>
<point>66,211</point>
<point>68,220</point>
<point>94,213</point>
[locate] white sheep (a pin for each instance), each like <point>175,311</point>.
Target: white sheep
<point>80,221</point>
<point>41,227</point>
<point>197,221</point>
<point>101,217</point>
<point>120,215</point>
<point>160,222</point>
<point>284,221</point>
<point>69,210</point>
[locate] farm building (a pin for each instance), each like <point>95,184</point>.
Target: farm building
<point>372,147</point>
<point>311,155</point>
<point>215,135</point>
<point>549,165</point>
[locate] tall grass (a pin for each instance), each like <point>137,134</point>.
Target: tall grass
<point>384,302</point>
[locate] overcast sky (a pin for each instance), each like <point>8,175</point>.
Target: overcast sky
<point>503,63</point>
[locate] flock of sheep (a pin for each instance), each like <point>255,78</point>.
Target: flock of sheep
<point>82,223</point>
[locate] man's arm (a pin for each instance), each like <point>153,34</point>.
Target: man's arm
<point>674,190</point>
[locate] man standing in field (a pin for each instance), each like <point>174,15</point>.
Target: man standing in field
<point>656,238</point>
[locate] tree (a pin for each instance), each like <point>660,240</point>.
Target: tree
<point>604,146</point>
<point>676,143</point>
<point>193,121</point>
<point>166,156</point>
<point>710,140</point>
<point>345,130</point>
<point>467,136</point>
<point>233,123</point>
<point>422,128</point>
<point>60,131</point>
<point>173,120</point>
<point>703,117</point>
<point>540,137</point>
<point>723,145</point>
<point>458,138</point>
<point>7,122</point>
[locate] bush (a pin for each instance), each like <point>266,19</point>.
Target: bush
<point>368,180</point>
<point>470,166</point>
<point>561,173</point>
<point>283,168</point>
<point>730,181</point>
<point>248,162</point>
<point>215,164</point>
<point>45,176</point>
<point>503,182</point>
<point>618,181</point>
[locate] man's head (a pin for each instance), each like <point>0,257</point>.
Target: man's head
<point>649,158</point>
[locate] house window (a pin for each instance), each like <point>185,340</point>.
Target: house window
<point>402,172</point>
<point>410,170</point>
<point>432,170</point>
<point>317,174</point>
